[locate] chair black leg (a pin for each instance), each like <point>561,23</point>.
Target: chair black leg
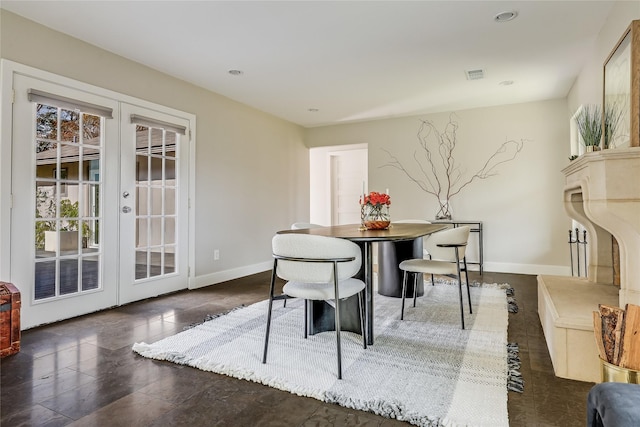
<point>404,292</point>
<point>433,282</point>
<point>266,337</point>
<point>461,306</point>
<point>360,307</point>
<point>460,288</point>
<point>306,318</point>
<point>337,318</point>
<point>466,274</point>
<point>415,288</point>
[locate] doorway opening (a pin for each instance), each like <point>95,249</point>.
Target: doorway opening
<point>338,176</point>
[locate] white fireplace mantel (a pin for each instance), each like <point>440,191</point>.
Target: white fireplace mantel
<point>602,192</point>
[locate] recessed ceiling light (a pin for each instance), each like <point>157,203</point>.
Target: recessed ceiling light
<point>313,110</point>
<point>506,83</point>
<point>505,16</point>
<point>236,72</point>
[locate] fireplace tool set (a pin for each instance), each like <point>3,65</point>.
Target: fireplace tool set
<point>577,242</point>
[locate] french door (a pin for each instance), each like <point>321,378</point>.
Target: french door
<point>153,203</point>
<point>99,201</point>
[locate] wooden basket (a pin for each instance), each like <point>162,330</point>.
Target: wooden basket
<point>9,319</point>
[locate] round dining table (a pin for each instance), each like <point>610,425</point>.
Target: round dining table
<point>408,244</point>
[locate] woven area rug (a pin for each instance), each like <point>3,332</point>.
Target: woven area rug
<point>424,370</point>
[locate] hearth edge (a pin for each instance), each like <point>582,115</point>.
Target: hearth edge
<point>569,335</point>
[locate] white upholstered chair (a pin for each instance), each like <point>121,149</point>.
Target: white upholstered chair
<point>316,268</point>
<point>416,221</point>
<point>412,221</point>
<point>303,225</point>
<point>447,250</point>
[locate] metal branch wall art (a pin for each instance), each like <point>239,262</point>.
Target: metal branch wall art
<point>436,170</point>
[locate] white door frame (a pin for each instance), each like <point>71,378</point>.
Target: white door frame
<point>8,69</point>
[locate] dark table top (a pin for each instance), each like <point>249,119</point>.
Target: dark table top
<point>400,231</point>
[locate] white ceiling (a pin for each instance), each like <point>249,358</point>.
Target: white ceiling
<point>350,60</point>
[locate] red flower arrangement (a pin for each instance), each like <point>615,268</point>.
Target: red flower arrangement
<point>375,211</point>
<point>376,199</point>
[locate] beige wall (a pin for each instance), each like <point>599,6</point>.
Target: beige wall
<point>252,169</point>
<point>525,224</point>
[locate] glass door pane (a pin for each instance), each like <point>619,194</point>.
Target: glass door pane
<point>155,208</point>
<point>68,150</point>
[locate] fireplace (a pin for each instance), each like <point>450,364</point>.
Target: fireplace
<point>602,192</point>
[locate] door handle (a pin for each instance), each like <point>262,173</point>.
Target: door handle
<point>126,209</point>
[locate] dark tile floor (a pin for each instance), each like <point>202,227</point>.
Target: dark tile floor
<point>82,372</point>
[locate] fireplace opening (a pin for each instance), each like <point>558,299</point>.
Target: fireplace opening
<point>579,255</point>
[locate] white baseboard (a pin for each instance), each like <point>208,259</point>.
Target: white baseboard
<point>500,267</point>
<point>235,273</point>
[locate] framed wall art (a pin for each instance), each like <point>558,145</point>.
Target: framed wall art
<point>621,91</point>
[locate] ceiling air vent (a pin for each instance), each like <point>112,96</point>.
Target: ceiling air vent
<point>475,74</point>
